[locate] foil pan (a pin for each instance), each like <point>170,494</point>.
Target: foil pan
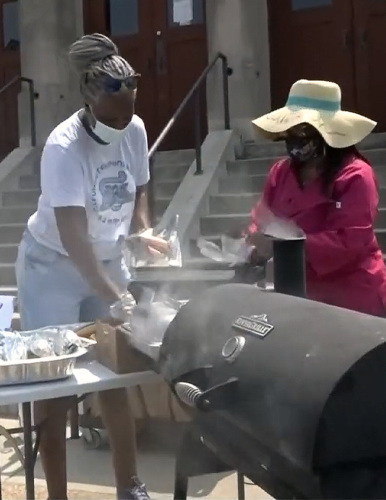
<point>40,369</point>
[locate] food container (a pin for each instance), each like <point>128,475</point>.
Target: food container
<point>40,369</point>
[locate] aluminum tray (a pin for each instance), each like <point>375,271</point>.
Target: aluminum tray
<point>40,369</point>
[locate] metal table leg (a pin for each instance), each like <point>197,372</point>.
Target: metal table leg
<point>29,455</point>
<point>240,486</point>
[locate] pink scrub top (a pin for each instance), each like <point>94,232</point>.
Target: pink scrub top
<point>344,264</point>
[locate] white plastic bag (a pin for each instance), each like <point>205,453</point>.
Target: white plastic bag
<point>233,251</point>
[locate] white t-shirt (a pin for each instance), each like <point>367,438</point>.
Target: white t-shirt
<point>77,171</point>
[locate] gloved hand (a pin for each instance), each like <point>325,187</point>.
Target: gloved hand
<point>263,247</point>
<point>123,308</point>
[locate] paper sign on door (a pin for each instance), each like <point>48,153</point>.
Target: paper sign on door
<point>7,307</point>
<point>183,12</point>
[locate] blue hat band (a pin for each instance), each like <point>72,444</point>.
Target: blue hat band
<point>310,102</point>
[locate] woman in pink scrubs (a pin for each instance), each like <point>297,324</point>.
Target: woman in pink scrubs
<point>330,191</point>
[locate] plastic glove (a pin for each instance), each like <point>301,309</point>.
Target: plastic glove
<point>263,247</point>
<point>123,308</point>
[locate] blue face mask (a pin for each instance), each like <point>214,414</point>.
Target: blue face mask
<point>304,149</point>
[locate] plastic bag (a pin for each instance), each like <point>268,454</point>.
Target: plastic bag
<point>137,253</point>
<point>233,251</point>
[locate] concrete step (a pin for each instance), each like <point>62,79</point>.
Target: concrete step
<point>219,224</point>
<point>8,290</point>
<point>21,198</point>
<point>226,204</point>
<point>381,237</point>
<point>186,156</point>
<point>232,203</point>
<point>7,275</point>
<point>161,204</point>
<point>11,233</point>
<point>16,215</point>
<point>253,166</point>
<point>15,325</point>
<point>380,221</point>
<point>8,253</point>
<point>29,181</point>
<point>166,189</point>
<point>170,172</point>
<point>236,184</point>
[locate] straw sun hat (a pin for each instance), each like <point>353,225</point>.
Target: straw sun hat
<point>317,103</point>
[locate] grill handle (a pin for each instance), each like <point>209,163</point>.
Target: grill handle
<point>219,397</point>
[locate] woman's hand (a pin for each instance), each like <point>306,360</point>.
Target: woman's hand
<point>263,250</point>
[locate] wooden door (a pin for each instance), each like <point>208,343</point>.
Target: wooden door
<point>181,56</point>
<point>165,41</point>
<point>312,39</point>
<point>9,68</point>
<point>369,32</point>
<point>130,24</point>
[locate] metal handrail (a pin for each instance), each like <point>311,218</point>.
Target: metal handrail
<point>194,92</point>
<point>31,90</point>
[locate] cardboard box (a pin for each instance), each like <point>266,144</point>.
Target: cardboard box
<point>114,351</point>
<point>149,401</point>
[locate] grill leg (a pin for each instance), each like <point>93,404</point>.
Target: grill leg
<point>180,487</point>
<point>240,486</point>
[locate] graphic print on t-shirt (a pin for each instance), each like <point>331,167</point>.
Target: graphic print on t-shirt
<point>113,188</point>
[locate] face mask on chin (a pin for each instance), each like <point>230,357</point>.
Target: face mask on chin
<point>304,149</point>
<point>106,134</point>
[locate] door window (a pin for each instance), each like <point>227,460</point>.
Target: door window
<point>309,4</point>
<point>186,12</point>
<point>122,17</point>
<point>11,33</point>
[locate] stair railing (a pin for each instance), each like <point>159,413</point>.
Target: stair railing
<point>31,92</point>
<point>194,93</point>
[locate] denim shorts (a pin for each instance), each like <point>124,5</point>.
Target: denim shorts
<point>51,291</point>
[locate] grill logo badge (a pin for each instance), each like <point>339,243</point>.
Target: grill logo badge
<point>257,325</point>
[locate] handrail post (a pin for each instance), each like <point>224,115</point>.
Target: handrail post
<point>151,192</point>
<point>32,111</point>
<point>225,83</point>
<point>197,132</point>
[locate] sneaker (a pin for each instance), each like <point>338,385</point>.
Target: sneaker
<point>136,492</point>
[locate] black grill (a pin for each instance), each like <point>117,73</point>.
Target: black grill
<point>287,392</point>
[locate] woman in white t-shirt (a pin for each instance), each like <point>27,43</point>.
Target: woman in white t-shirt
<point>94,171</point>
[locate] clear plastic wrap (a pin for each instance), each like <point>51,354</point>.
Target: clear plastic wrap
<point>137,254</point>
<point>43,343</point>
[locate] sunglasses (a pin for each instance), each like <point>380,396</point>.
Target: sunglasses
<point>112,85</point>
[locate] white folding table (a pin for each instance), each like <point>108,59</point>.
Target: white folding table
<point>88,377</point>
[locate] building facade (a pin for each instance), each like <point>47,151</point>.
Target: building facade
<point>269,44</point>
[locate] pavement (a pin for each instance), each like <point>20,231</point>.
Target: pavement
<point>90,472</point>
